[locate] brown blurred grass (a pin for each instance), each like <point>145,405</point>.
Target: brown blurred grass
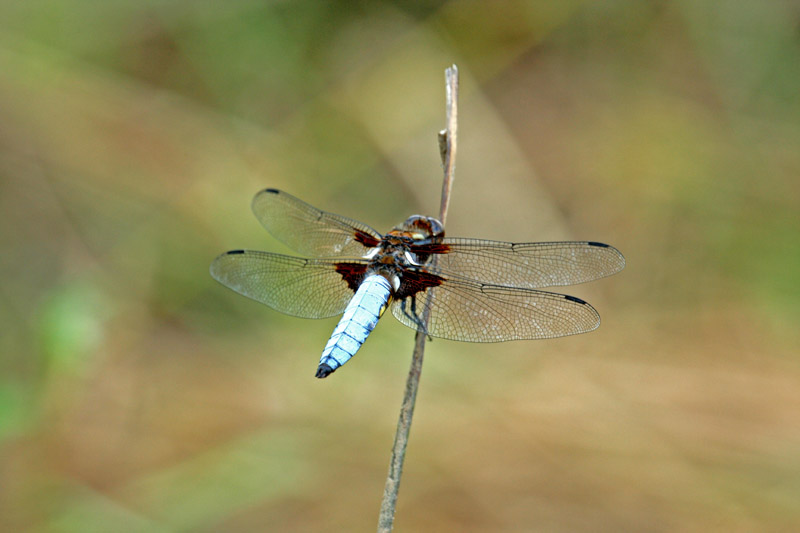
<point>138,394</point>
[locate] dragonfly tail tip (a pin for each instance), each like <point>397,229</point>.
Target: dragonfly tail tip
<point>323,371</point>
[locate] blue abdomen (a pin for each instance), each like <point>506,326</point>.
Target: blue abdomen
<point>358,320</point>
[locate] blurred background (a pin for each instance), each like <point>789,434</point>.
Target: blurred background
<point>137,394</point>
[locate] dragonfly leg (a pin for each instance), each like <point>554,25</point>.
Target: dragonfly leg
<point>414,317</point>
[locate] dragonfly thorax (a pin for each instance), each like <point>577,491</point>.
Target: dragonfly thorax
<point>390,260</point>
<point>400,249</point>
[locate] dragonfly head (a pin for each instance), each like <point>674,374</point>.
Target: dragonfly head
<point>421,230</point>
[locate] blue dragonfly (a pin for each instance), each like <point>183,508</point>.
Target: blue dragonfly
<point>472,290</point>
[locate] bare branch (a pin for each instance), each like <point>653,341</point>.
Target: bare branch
<point>450,140</point>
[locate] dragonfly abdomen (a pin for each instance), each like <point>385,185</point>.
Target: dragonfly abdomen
<point>359,319</point>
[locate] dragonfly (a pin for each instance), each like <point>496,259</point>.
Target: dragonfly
<point>461,289</point>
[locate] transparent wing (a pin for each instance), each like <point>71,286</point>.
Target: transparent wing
<point>464,310</point>
<point>308,230</point>
<point>528,265</point>
<point>307,288</point>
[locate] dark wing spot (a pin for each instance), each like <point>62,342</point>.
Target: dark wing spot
<point>366,239</point>
<point>272,191</point>
<point>422,249</point>
<point>576,300</point>
<point>414,281</point>
<point>234,252</point>
<point>352,274</point>
<point>598,244</point>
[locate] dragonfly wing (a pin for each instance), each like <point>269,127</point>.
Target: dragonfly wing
<point>310,231</point>
<point>465,310</point>
<point>528,265</point>
<point>307,288</point>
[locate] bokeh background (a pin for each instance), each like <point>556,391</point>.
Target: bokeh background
<point>136,394</point>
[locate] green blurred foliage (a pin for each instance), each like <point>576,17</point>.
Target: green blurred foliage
<point>136,394</point>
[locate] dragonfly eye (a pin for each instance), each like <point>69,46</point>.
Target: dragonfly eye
<point>421,228</point>
<point>436,228</point>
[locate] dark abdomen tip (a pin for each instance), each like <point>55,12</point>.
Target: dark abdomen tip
<point>323,371</point>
